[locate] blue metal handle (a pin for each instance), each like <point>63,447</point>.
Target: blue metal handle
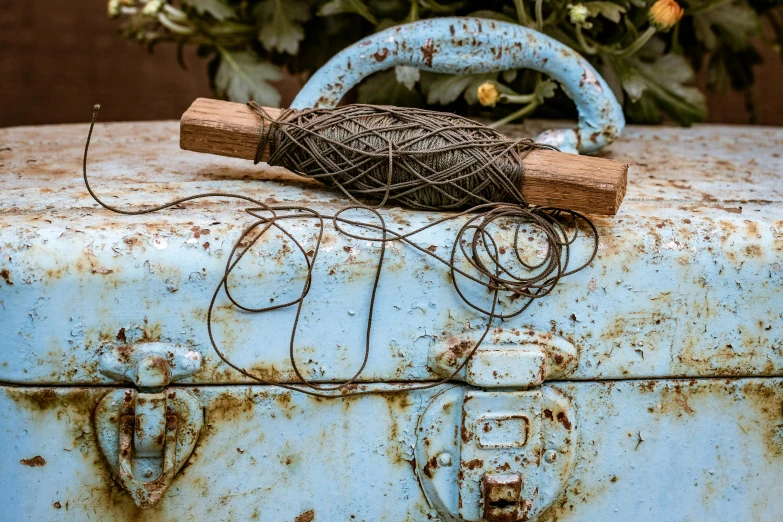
<point>474,45</point>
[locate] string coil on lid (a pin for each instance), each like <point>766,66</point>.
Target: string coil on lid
<point>413,157</point>
<point>495,249</point>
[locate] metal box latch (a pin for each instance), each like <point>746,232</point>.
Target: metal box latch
<point>148,433</point>
<point>505,452</point>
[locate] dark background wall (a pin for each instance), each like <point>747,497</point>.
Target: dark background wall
<point>59,57</point>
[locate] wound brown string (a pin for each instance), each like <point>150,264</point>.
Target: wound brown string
<point>413,157</point>
<point>479,256</point>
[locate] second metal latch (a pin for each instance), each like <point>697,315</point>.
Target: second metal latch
<point>147,434</point>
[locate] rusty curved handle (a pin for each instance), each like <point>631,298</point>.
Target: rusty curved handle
<point>474,45</point>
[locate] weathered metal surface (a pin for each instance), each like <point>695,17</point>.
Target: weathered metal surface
<point>146,438</point>
<point>692,262</point>
<point>518,360</point>
<point>647,450</point>
<point>474,45</point>
<point>149,365</point>
<point>487,439</point>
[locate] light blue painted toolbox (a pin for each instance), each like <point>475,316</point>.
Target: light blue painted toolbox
<point>645,387</point>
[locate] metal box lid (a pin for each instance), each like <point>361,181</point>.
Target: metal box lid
<point>688,281</point>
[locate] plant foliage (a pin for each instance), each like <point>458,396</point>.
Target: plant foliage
<point>646,55</point>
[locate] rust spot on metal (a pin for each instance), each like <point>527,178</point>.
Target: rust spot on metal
<point>682,401</point>
<point>228,406</point>
<point>307,516</point>
<point>34,462</point>
<point>121,336</point>
<point>57,505</point>
<point>428,51</point>
<point>381,54</point>
<point>40,400</point>
<point>429,466</point>
<point>473,464</point>
<point>466,435</point>
<point>562,419</point>
<point>6,275</point>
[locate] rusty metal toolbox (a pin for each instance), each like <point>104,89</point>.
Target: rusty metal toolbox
<point>647,387</point>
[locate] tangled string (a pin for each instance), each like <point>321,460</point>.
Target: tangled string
<point>476,243</point>
<point>414,157</point>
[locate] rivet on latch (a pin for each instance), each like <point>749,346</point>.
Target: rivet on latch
<point>153,372</point>
<point>501,495</point>
<point>444,459</point>
<point>551,456</point>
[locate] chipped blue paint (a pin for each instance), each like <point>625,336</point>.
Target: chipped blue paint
<point>710,450</point>
<point>687,282</point>
<point>470,46</point>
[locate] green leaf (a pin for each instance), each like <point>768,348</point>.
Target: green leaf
<point>241,77</point>
<point>665,80</point>
<point>732,25</point>
<point>446,88</point>
<point>644,111</point>
<point>280,24</point>
<point>334,7</point>
<point>218,9</point>
<point>510,75</point>
<point>383,89</point>
<point>609,73</point>
<point>608,10</point>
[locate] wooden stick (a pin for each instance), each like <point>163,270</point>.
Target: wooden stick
<point>556,179</point>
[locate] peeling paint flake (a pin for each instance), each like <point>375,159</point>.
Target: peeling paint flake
<point>160,243</point>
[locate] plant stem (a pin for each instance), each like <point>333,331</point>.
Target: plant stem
<point>521,13</point>
<point>589,49</point>
<point>527,109</point>
<point>173,27</point>
<point>231,28</point>
<point>413,14</point>
<point>639,43</point>
<point>175,14</point>
<point>517,98</point>
<point>539,15</point>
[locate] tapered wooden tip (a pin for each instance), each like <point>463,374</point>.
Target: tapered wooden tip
<point>553,179</point>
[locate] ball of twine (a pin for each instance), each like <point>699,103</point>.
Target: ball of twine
<point>414,157</point>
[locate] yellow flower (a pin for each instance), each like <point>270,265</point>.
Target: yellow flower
<point>114,8</point>
<point>664,14</point>
<point>488,94</point>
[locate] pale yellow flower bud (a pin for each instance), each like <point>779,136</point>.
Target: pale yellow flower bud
<point>114,8</point>
<point>488,94</point>
<point>152,7</point>
<point>578,13</point>
<point>664,14</point>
